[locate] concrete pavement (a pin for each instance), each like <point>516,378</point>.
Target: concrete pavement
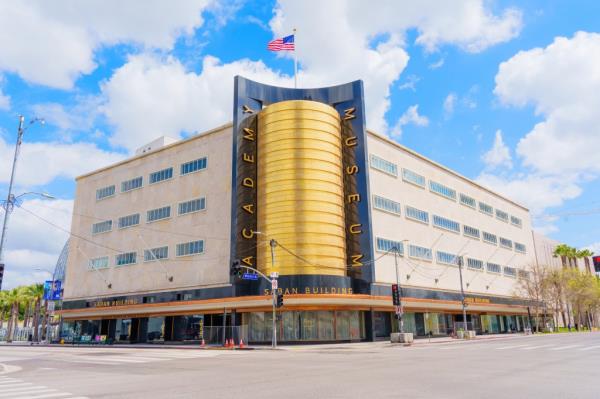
<point>548,366</point>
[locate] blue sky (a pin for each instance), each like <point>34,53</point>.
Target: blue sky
<point>503,92</point>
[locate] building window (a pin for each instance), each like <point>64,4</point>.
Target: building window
<point>510,271</point>
<point>485,208</point>
<point>385,245</point>
<point>158,214</point>
<point>520,248</point>
<point>494,268</point>
<point>132,184</point>
<point>128,258</point>
<point>129,220</point>
<point>196,205</point>
<point>490,238</point>
<point>98,263</point>
<point>419,252</point>
<point>384,166</point>
<point>105,192</point>
<point>386,205</point>
<point>501,215</point>
<point>161,175</point>
<point>468,201</point>
<point>516,221</point>
<point>524,274</point>
<point>470,231</point>
<point>446,224</point>
<point>416,214</point>
<point>446,258</point>
<point>506,243</point>
<point>474,264</point>
<point>442,190</point>
<point>156,254</point>
<point>190,248</point>
<point>411,177</point>
<point>102,227</point>
<point>193,166</point>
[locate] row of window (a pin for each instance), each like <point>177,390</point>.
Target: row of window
<point>441,222</point>
<point>154,177</point>
<point>415,251</point>
<point>414,178</point>
<point>152,215</point>
<point>154,254</point>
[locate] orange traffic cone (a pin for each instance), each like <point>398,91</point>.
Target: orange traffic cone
<point>242,346</point>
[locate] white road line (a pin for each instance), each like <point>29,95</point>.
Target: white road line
<point>26,391</point>
<point>564,347</point>
<point>529,348</point>
<point>14,385</point>
<point>447,348</point>
<point>510,347</point>
<point>589,348</point>
<point>92,362</point>
<point>47,395</point>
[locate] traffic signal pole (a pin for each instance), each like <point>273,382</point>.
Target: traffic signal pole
<point>401,310</point>
<point>274,294</point>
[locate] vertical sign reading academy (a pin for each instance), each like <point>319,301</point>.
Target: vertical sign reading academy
<point>250,98</point>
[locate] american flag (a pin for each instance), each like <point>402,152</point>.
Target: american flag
<point>286,43</point>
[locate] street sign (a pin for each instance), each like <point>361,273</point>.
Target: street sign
<point>250,276</point>
<point>274,284</point>
<point>274,275</point>
<point>398,309</point>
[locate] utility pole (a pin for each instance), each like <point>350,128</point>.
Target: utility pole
<point>400,312</point>
<point>10,200</point>
<point>274,287</point>
<point>462,291</point>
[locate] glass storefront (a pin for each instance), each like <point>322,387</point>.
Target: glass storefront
<point>325,325</point>
<point>122,330</point>
<point>155,330</point>
<point>187,328</point>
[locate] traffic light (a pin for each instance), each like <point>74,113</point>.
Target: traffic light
<point>395,295</point>
<point>236,269</point>
<point>279,301</point>
<point>1,273</point>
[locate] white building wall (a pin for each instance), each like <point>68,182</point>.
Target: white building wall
<point>423,273</point>
<point>211,225</point>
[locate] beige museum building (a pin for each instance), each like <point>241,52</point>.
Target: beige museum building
<point>150,254</point>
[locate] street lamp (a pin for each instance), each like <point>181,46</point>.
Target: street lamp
<point>11,199</point>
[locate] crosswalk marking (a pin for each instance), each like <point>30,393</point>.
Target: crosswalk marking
<point>589,348</point>
<point>529,348</point>
<point>564,347</point>
<point>510,347</point>
<point>14,388</point>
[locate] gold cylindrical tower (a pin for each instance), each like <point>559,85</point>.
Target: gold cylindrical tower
<point>300,194</point>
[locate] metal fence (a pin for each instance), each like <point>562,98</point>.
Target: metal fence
<point>24,334</point>
<point>217,335</point>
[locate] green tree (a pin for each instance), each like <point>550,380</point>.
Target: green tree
<point>13,297</point>
<point>4,307</point>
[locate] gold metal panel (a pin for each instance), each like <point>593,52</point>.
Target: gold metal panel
<point>300,194</point>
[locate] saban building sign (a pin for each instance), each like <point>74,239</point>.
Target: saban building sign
<point>300,177</point>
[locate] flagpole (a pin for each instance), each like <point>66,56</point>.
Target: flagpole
<point>295,63</point>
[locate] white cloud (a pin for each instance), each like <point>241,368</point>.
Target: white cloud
<point>349,53</point>
<point>438,64</point>
<point>23,255</point>
<point>42,162</point>
<point>594,247</point>
<point>561,81</point>
<point>498,155</point>
<point>449,104</point>
<point>410,83</point>
<point>410,116</point>
<point>149,97</point>
<point>62,35</point>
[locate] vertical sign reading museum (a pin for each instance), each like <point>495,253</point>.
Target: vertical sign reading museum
<point>250,102</point>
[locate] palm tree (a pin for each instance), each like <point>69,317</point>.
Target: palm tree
<point>36,291</point>
<point>4,307</point>
<point>13,297</point>
<point>585,254</point>
<point>563,251</point>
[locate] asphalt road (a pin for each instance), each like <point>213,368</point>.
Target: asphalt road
<point>554,366</point>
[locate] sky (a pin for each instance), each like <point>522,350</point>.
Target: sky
<point>504,92</point>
